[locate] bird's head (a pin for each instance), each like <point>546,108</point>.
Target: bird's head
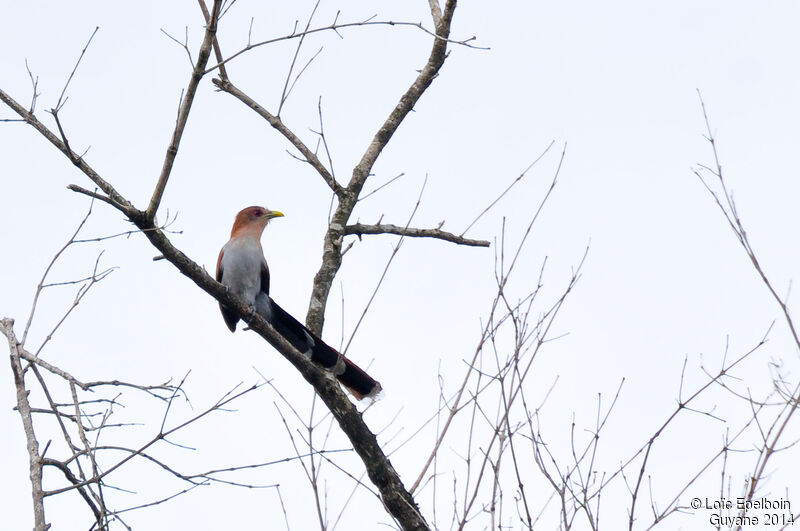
<point>253,220</point>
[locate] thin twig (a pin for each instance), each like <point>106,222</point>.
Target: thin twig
<point>386,268</point>
<point>286,90</point>
<point>61,100</point>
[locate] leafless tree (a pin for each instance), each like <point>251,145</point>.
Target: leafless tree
<point>397,500</point>
<point>506,456</point>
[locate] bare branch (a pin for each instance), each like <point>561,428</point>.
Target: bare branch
<point>322,137</point>
<point>115,198</point>
<point>381,187</point>
<point>488,331</point>
<point>385,269</point>
<point>94,195</point>
<point>332,257</point>
<point>732,216</point>
<point>509,187</point>
<point>184,44</point>
<point>24,408</point>
<point>161,435</point>
<point>34,86</point>
<point>359,229</point>
<point>183,113</point>
<point>277,123</point>
<point>284,93</point>
<point>61,100</point>
<point>84,289</point>
<point>40,286</point>
<point>728,207</point>
<point>223,73</point>
<point>436,12</point>
<point>335,27</point>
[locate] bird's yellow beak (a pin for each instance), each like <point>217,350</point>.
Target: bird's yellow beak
<point>273,214</point>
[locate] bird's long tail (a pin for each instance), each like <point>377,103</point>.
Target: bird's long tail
<point>350,375</point>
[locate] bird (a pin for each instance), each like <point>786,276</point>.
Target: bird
<point>243,270</point>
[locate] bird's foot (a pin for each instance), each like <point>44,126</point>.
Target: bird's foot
<point>251,311</point>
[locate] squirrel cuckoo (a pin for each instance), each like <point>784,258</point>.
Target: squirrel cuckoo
<point>241,267</point>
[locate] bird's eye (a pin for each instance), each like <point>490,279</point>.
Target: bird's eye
<point>258,213</point>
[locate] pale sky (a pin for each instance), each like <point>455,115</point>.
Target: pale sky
<point>664,279</point>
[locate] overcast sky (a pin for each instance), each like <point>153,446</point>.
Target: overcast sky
<point>615,84</point>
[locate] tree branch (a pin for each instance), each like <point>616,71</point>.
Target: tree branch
<point>24,408</point>
<point>384,228</point>
<point>731,214</point>
<point>336,26</point>
<point>217,51</point>
<point>436,12</point>
<point>117,200</point>
<point>183,113</point>
<point>332,247</point>
<point>310,157</point>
